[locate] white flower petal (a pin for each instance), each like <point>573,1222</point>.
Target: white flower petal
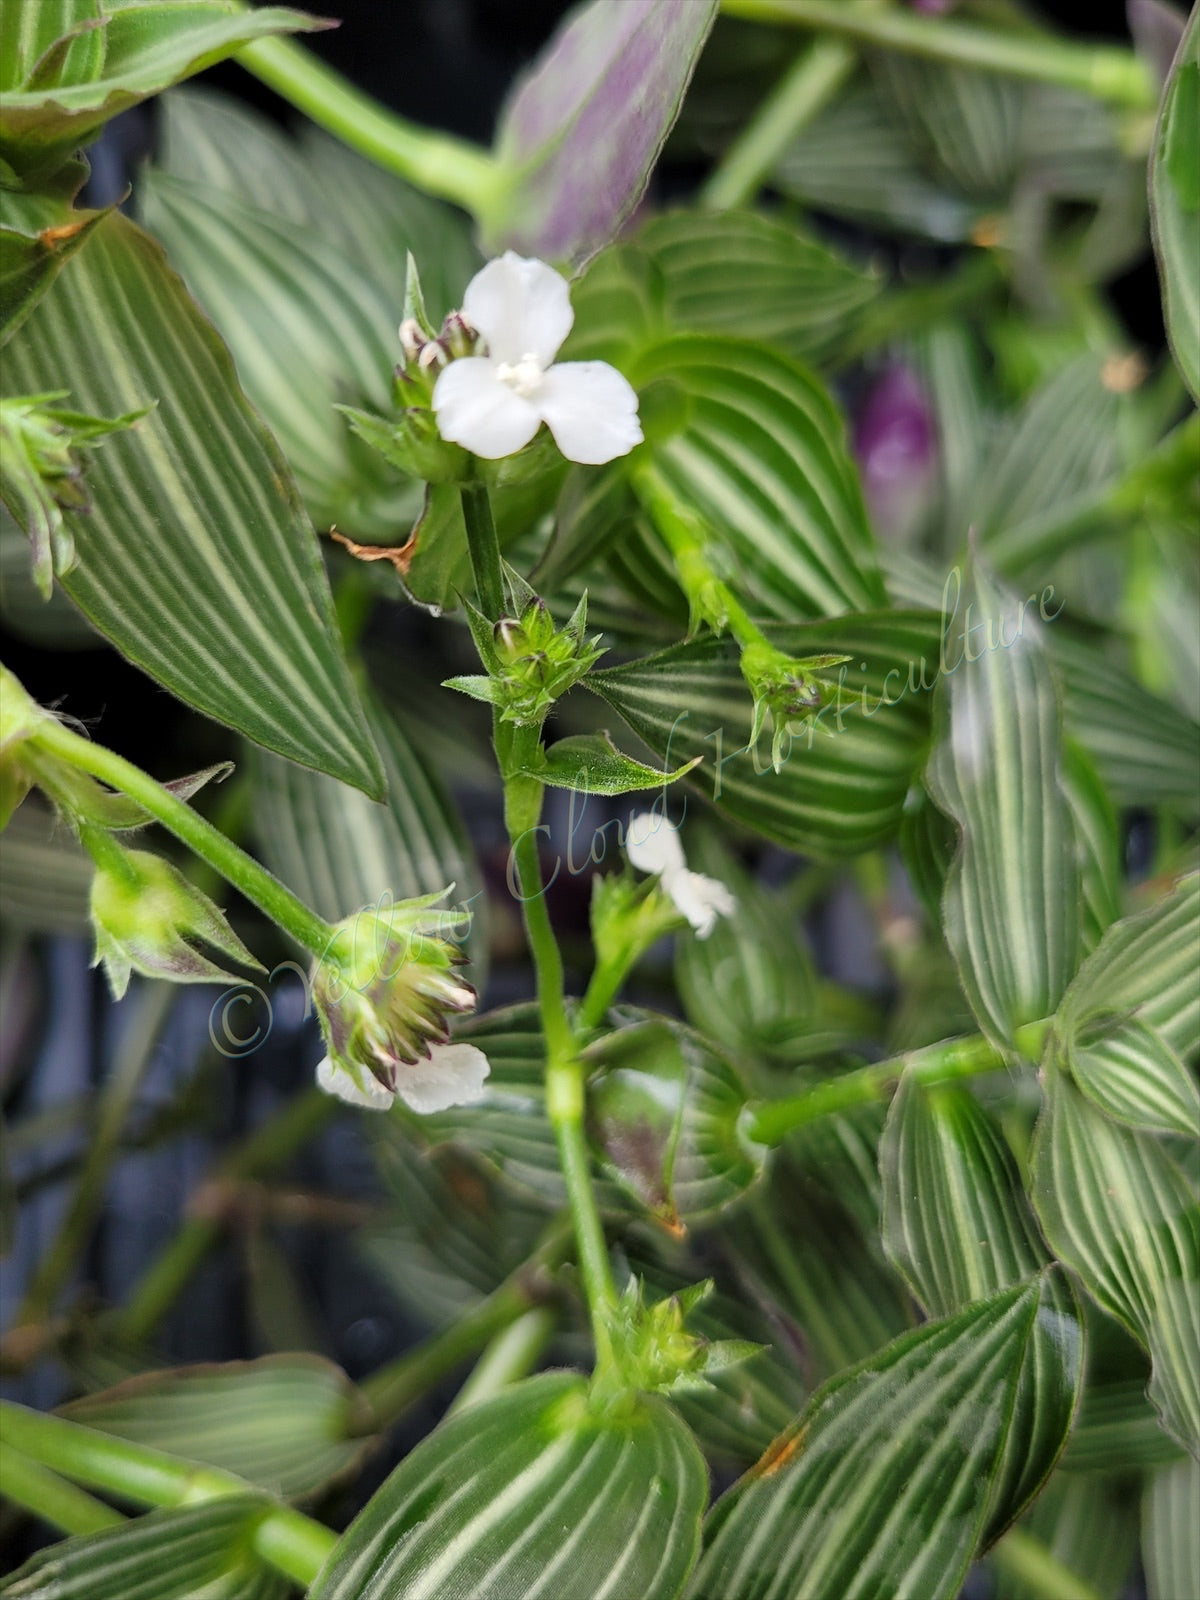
<point>475,409</point>
<point>591,410</point>
<point>652,844</point>
<point>701,900</point>
<point>337,1080</point>
<point>453,1076</point>
<point>522,308</point>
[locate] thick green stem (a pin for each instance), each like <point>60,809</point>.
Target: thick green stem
<point>28,1483</point>
<point>1107,72</point>
<point>603,988</point>
<point>115,1103</point>
<point>510,1356</point>
<point>268,1147</point>
<point>806,88</point>
<point>770,1122</point>
<point>485,550</point>
<point>438,163</point>
<point>290,1542</point>
<point>1022,1557</point>
<point>253,881</point>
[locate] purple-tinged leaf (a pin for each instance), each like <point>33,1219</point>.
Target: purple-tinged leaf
<point>578,140</point>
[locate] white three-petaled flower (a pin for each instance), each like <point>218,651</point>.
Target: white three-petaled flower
<point>652,845</point>
<point>453,1075</point>
<point>493,405</point>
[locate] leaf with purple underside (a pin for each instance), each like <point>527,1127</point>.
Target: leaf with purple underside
<point>578,140</point>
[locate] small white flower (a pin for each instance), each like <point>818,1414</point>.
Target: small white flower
<point>454,1075</point>
<point>652,845</point>
<point>493,405</point>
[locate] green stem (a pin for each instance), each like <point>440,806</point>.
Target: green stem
<point>1107,72</point>
<point>394,1388</point>
<point>268,1147</point>
<point>485,550</point>
<point>1019,1555</point>
<point>805,89</point>
<point>438,163</point>
<point>115,1103</point>
<point>28,1483</point>
<point>291,1542</point>
<point>603,988</point>
<point>511,1356</point>
<point>271,897</point>
<point>770,1122</point>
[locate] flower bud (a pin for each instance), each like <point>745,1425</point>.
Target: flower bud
<point>147,918</point>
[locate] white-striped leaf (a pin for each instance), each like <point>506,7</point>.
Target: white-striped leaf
<point>1117,1423</point>
<point>1131,1072</point>
<point>341,851</point>
<point>307,329</point>
<point>843,782</point>
<point>964,124</point>
<point>1171,1530</point>
<point>1175,205</point>
<point>179,1554</point>
<point>1116,1208</point>
<point>882,1485</point>
<point>1090,1525</point>
<point>957,1224</point>
<point>1097,844</point>
<point>535,1494</point>
<point>793,292</point>
<point>1011,902</point>
<point>194,513</point>
<point>712,1164</point>
<point>57,99</point>
<point>45,878</point>
<point>760,455</point>
<point>283,1422</point>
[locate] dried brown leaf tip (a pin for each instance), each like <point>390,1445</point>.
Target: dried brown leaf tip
<point>400,555</point>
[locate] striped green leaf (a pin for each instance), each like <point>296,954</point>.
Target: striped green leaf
<point>1011,901</point>
<point>1130,1072</point>
<point>340,850</point>
<point>842,786</point>
<point>1117,1423</point>
<point>958,1226</point>
<point>793,292</point>
<point>661,1063</point>
<point>64,89</point>
<point>180,1554</point>
<point>307,329</point>
<point>535,1494</point>
<point>1097,844</point>
<point>963,124</point>
<point>1171,1530</point>
<point>45,877</point>
<point>1175,205</point>
<point>1090,1525</point>
<point>882,1486</point>
<point>33,250</point>
<point>282,1422</point>
<point>1116,1208</point>
<point>194,515</point>
<point>760,455</point>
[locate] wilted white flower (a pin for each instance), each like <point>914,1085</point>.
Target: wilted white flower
<point>493,405</point>
<point>652,845</point>
<point>453,1075</point>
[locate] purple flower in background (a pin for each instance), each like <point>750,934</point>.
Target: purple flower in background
<point>933,8</point>
<point>896,447</point>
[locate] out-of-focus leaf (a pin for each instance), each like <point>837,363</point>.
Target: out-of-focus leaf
<point>1175,205</point>
<point>792,292</point>
<point>202,1549</point>
<point>957,1224</point>
<point>760,455</point>
<point>1117,1423</point>
<point>575,146</point>
<point>45,878</point>
<point>964,124</point>
<point>919,1429</point>
<point>286,1423</point>
<point>1171,1530</point>
<point>1097,843</point>
<point>1089,1524</point>
<point>194,514</point>
<point>340,851</point>
<point>531,1493</point>
<point>842,786</point>
<point>61,90</point>
<point>928,840</point>
<point>1011,901</point>
<point>1117,1209</point>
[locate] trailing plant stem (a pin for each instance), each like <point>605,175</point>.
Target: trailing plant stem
<point>294,1544</point>
<point>485,550</point>
<point>230,862</point>
<point>1107,72</point>
<point>50,1496</point>
<point>769,1123</point>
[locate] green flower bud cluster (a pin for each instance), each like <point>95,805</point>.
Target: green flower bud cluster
<point>785,687</point>
<point>653,1351</point>
<point>386,988</point>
